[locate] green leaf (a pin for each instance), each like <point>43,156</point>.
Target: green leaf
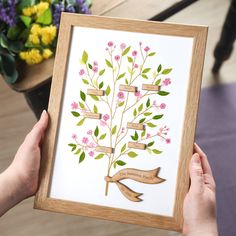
<point>81,122</point>
<point>45,18</point>
<point>146,70</point>
<point>81,105</point>
<point>120,163</point>
<point>135,112</point>
<point>102,136</point>
<point>14,32</point>
<point>114,165</point>
<point>156,151</point>
<point>95,109</point>
<point>166,71</point>
<point>150,144</point>
<point>90,66</point>
<point>123,148</point>
<point>82,156</point>
<point>94,97</point>
<point>158,82</point>
<point>163,93</point>
<point>85,57</point>
<point>142,120</point>
<point>126,81</point>
<point>101,85</point>
<point>101,72</point>
<point>25,3</point>
<point>73,146</point>
<point>99,156</point>
<point>130,59</point>
<point>132,154</point>
<point>159,68</point>
<point>144,76</point>
<point>140,108</point>
<point>151,125</point>
<point>126,51</point>
<point>135,136</point>
<point>82,95</point>
<point>76,114</point>
<point>96,132</point>
<point>148,103</point>
<point>85,81</point>
<point>157,117</point>
<point>26,20</point>
<point>78,151</point>
<point>113,131</point>
<point>147,113</point>
<point>121,76</point>
<point>121,104</point>
<point>109,63</point>
<point>151,54</point>
<point>108,90</point>
<point>143,133</point>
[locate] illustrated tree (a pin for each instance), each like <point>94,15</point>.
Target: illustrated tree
<point>119,96</point>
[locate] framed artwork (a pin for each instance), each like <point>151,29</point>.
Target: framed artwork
<point>123,109</point>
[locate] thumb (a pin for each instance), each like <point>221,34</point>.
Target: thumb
<point>196,174</point>
<point>36,134</point>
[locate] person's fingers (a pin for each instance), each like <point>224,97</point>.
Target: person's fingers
<point>36,134</point>
<point>205,164</point>
<point>196,174</point>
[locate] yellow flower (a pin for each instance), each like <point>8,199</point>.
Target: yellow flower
<point>48,34</point>
<point>28,11</point>
<point>34,39</point>
<point>47,53</point>
<point>35,29</point>
<point>31,57</point>
<point>41,8</point>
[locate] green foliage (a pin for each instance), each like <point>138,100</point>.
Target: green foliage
<point>151,125</point>
<point>142,120</point>
<point>73,146</point>
<point>108,90</point>
<point>121,76</point>
<point>74,113</point>
<point>130,59</point>
<point>123,148</point>
<point>163,93</point>
<point>109,63</point>
<point>151,54</point>
<point>166,71</point>
<point>126,51</point>
<point>120,163</point>
<point>157,117</point>
<point>135,136</point>
<point>99,156</point>
<point>132,154</point>
<point>113,131</point>
<point>82,95</point>
<point>95,98</point>
<point>101,72</point>
<point>101,85</point>
<point>140,108</point>
<point>85,81</point>
<point>95,109</point>
<point>158,82</point>
<point>146,70</point>
<point>85,57</point>
<point>96,131</point>
<point>148,103</point>
<point>81,122</point>
<point>159,68</point>
<point>82,156</point>
<point>156,151</point>
<point>135,112</point>
<point>144,76</point>
<point>26,20</point>
<point>102,136</point>
<point>45,18</point>
<point>150,144</point>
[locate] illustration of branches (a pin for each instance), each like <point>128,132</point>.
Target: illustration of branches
<point>120,96</point>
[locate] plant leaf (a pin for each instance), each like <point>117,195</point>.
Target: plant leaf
<point>151,54</point>
<point>142,120</point>
<point>140,108</point>
<point>78,151</point>
<point>109,63</point>
<point>148,103</point>
<point>95,109</point>
<point>159,68</point>
<point>85,81</point>
<point>94,97</point>
<point>113,131</point>
<point>158,82</point>
<point>130,59</point>
<point>132,154</point>
<point>108,90</point>
<point>121,76</point>
<point>146,70</point>
<point>166,71</point>
<point>143,133</point>
<point>82,95</point>
<point>121,104</point>
<point>76,114</point>
<point>102,136</point>
<point>126,51</point>
<point>163,93</point>
<point>135,112</point>
<point>82,156</point>
<point>157,117</point>
<point>151,125</point>
<point>144,76</point>
<point>81,122</point>
<point>96,132</point>
<point>123,148</point>
<point>99,156</point>
<point>156,151</point>
<point>101,72</point>
<point>101,85</point>
<point>120,163</point>
<point>26,20</point>
<point>147,113</point>
<point>45,18</point>
<point>85,57</point>
<point>150,144</point>
<point>90,66</point>
<point>81,105</point>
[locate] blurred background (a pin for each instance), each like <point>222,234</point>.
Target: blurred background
<point>215,132</point>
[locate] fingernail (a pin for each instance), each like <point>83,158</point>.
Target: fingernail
<point>43,113</point>
<point>196,158</point>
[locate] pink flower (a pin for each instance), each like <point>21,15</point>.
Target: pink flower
<point>134,53</point>
<point>148,135</point>
<point>117,57</point>
<point>168,140</point>
<point>138,94</point>
<point>91,145</point>
<point>95,69</point>
<point>90,132</point>
<point>95,63</point>
<point>103,123</point>
<point>166,82</point>
<point>110,44</point>
<point>81,72</point>
<point>91,153</point>
<point>74,105</point>
<point>135,65</point>
<point>85,140</point>
<point>106,117</point>
<point>146,49</point>
<point>74,136</point>
<point>163,106</point>
<point>121,95</point>
<point>123,46</point>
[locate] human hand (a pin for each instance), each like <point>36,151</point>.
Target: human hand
<point>20,179</point>
<point>200,203</point>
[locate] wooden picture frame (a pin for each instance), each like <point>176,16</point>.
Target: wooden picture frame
<point>198,35</point>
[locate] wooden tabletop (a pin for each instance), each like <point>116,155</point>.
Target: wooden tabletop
<point>35,76</point>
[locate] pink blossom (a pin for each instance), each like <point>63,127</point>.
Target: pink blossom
<point>91,145</point>
<point>95,69</point>
<point>123,46</point>
<point>81,72</point>
<point>110,44</point>
<point>163,106</point>
<point>134,53</point>
<point>138,94</point>
<point>90,132</point>
<point>85,140</point>
<point>166,82</point>
<point>106,117</point>
<point>103,123</point>
<point>121,95</point>
<point>117,57</point>
<point>74,136</point>
<point>135,65</point>
<point>168,140</point>
<point>74,105</point>
<point>95,63</point>
<point>91,153</point>
<point>148,135</point>
<point>146,49</point>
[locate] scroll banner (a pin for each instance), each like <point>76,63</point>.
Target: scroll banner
<point>142,176</point>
